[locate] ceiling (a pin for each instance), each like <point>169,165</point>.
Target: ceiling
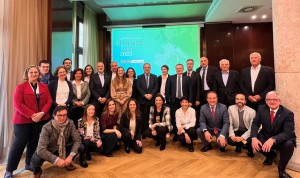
<point>125,12</point>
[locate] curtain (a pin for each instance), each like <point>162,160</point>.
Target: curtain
<point>74,15</point>
<point>90,39</point>
<point>23,41</point>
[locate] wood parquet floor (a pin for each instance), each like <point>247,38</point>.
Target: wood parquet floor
<point>174,162</point>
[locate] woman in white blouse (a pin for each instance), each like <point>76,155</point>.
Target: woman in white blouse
<point>162,80</point>
<point>60,89</point>
<point>185,123</point>
<point>82,95</point>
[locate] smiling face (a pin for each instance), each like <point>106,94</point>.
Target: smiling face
<point>62,73</point>
<point>130,73</point>
<point>132,106</point>
<point>203,61</point>
<point>273,101</point>
<point>255,59</point>
<point>61,116</point>
<point>33,75</point>
<point>44,68</point>
<point>120,72</point>
<point>164,71</point>
<point>224,65</point>
<point>240,100</point>
<point>111,107</point>
<point>212,99</point>
<point>179,69</point>
<point>158,101</point>
<point>68,64</point>
<point>78,75</point>
<point>100,67</point>
<point>88,70</point>
<point>90,111</point>
<point>184,104</point>
<point>190,65</point>
<point>114,66</point>
<point>147,68</point>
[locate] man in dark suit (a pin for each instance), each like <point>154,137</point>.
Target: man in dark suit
<point>147,87</point>
<point>226,83</point>
<point>100,88</point>
<point>277,132</point>
<point>178,86</point>
<point>214,120</point>
<point>196,87</point>
<point>67,63</point>
<point>207,78</point>
<point>257,81</point>
<point>113,69</point>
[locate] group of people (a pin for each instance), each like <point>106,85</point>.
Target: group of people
<point>95,112</point>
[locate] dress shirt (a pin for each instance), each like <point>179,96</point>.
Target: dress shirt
<point>62,92</point>
<point>68,75</point>
<point>225,75</point>
<point>101,76</point>
<point>78,88</point>
<point>205,87</point>
<point>163,86</point>
<point>254,74</point>
<point>188,118</point>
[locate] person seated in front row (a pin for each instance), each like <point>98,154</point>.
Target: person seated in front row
<point>110,133</point>
<point>131,127</point>
<point>159,122</point>
<point>89,129</point>
<point>213,121</point>
<point>59,143</point>
<point>185,123</point>
<point>240,117</point>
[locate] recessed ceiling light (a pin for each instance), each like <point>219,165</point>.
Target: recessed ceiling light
<point>264,16</point>
<point>246,27</point>
<point>253,17</point>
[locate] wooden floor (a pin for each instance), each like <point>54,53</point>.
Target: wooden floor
<point>173,162</point>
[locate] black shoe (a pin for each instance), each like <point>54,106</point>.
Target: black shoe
<point>71,167</point>
<point>8,175</point>
<point>238,149</point>
<point>268,161</point>
<point>144,137</point>
<point>88,156</point>
<point>250,153</point>
<point>127,149</point>
<point>222,149</point>
<point>157,143</point>
<point>162,147</point>
<point>283,174</point>
<point>38,175</point>
<point>206,148</point>
<point>109,155</point>
<point>191,147</point>
<point>83,163</point>
<point>270,157</point>
<point>175,138</point>
<point>28,168</point>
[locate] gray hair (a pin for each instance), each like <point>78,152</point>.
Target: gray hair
<point>272,93</point>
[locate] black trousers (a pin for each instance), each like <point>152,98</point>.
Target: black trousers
<point>26,135</point>
<point>173,107</point>
<point>77,114</point>
<point>109,142</point>
<point>37,162</point>
<point>161,134</point>
<point>128,141</point>
<point>240,133</point>
<point>286,150</point>
<point>145,110</point>
<point>90,146</point>
<point>191,133</point>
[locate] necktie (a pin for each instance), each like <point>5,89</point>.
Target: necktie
<point>178,87</point>
<point>213,115</point>
<point>147,80</point>
<point>272,117</point>
<point>203,77</point>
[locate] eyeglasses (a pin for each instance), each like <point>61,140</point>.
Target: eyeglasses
<point>61,116</point>
<point>274,100</point>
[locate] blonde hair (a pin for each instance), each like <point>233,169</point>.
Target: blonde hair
<point>25,77</point>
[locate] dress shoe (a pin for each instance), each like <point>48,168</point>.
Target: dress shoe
<point>127,149</point>
<point>157,143</point>
<point>83,163</point>
<point>206,148</point>
<point>88,156</point>
<point>250,153</point>
<point>191,147</point>
<point>162,147</point>
<point>109,155</point>
<point>175,138</point>
<point>71,167</point>
<point>144,137</point>
<point>28,168</point>
<point>8,175</point>
<point>238,149</point>
<point>222,149</point>
<point>38,175</point>
<point>268,161</point>
<point>283,174</point>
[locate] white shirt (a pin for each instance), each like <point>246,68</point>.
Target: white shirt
<point>101,77</point>
<point>225,75</point>
<point>205,83</point>
<point>113,75</point>
<point>90,129</point>
<point>78,88</point>
<point>163,86</point>
<point>68,76</point>
<point>188,118</point>
<point>62,92</point>
<point>254,74</point>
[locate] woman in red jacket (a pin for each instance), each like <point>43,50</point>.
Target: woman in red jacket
<point>32,102</point>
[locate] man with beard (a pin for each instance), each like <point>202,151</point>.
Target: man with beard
<point>68,64</point>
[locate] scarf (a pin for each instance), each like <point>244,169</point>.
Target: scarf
<point>61,142</point>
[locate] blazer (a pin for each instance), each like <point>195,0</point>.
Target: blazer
<point>264,83</point>
<point>231,88</point>
<point>85,93</point>
<point>53,89</point>
<point>249,115</point>
<point>282,129</point>
<point>142,89</point>
<point>211,70</point>
<point>124,126</point>
<point>221,120</point>
<point>166,118</point>
<point>196,86</point>
<point>82,126</point>
<point>47,144</point>
<point>172,85</point>
<point>96,88</point>
<point>25,103</point>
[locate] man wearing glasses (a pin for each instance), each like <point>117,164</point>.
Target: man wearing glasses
<point>46,75</point>
<point>59,143</point>
<point>277,132</point>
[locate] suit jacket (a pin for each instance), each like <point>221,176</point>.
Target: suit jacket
<point>141,86</point>
<point>47,144</point>
<point>282,129</point>
<point>53,89</point>
<point>85,93</point>
<point>231,88</point>
<point>165,120</point>
<point>172,85</point>
<point>196,86</point>
<point>211,70</point>
<point>124,126</point>
<point>249,115</point>
<point>96,88</point>
<point>25,103</point>
<point>264,83</point>
<point>221,120</point>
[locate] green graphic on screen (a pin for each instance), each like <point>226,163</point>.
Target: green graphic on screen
<point>170,45</point>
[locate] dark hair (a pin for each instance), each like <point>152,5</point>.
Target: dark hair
<point>57,69</point>
<point>165,66</point>
<point>240,93</point>
<point>66,60</point>
<point>84,71</point>
<point>137,110</point>
<point>106,110</point>
<point>76,70</point>
<point>84,117</point>
<point>44,62</point>
<point>161,96</point>
<point>190,60</point>
<point>211,92</point>
<point>134,76</point>
<point>60,108</point>
<point>184,98</point>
